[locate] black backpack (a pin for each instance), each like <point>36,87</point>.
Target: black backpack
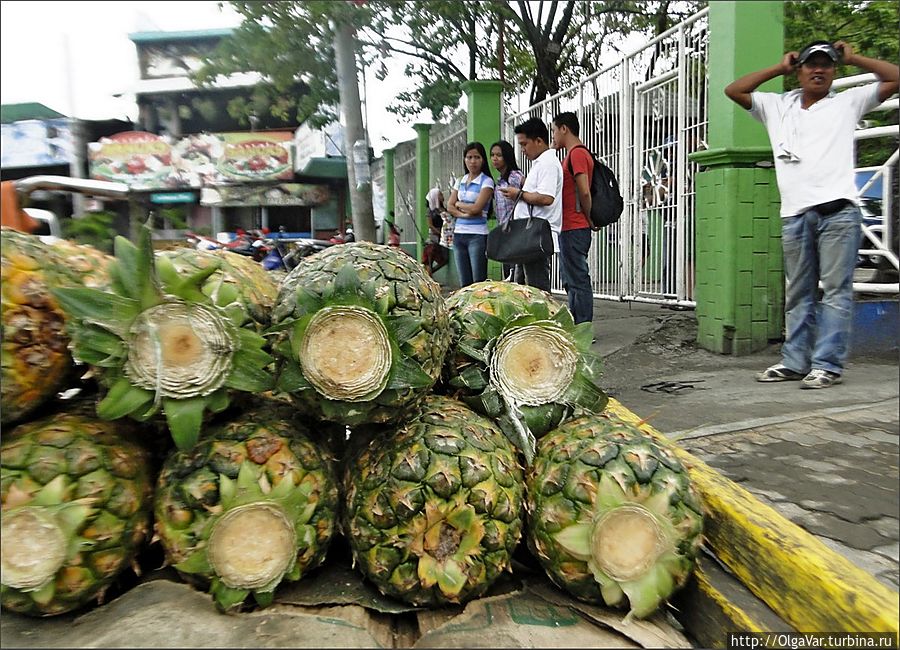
<point>606,199</point>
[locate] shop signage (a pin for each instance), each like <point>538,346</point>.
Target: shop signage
<point>268,195</point>
<point>145,161</point>
<point>36,143</point>
<point>173,197</point>
<point>141,160</point>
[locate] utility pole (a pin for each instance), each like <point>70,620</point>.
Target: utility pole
<point>356,142</point>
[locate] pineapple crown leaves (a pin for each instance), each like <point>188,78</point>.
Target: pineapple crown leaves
<point>519,421</point>
<point>251,487</point>
<point>349,290</point>
<point>663,571</point>
<point>442,559</point>
<point>58,521</point>
<point>104,324</point>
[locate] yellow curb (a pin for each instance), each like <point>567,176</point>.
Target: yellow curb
<point>741,620</point>
<point>804,582</point>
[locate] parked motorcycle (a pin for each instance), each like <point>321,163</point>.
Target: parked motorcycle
<point>251,243</point>
<point>285,255</point>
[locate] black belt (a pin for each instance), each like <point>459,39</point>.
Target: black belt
<point>831,207</point>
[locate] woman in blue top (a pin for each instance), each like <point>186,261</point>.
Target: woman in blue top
<point>470,203</point>
<point>503,159</point>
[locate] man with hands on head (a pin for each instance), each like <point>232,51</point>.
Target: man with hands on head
<point>811,132</point>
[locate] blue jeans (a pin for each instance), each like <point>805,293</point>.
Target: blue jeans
<point>825,248</point>
<point>573,251</point>
<point>470,255</point>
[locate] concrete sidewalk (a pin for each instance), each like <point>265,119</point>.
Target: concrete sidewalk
<point>825,459</point>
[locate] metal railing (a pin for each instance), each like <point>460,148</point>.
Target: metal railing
<point>446,154</point>
<point>405,191</point>
<point>642,116</point>
<point>879,214</point>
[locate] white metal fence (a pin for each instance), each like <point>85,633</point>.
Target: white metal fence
<point>405,191</point>
<point>446,157</point>
<point>642,116</point>
<point>878,253</point>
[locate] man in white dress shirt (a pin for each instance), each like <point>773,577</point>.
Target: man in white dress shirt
<point>541,194</point>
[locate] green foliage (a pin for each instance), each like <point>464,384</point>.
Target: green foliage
<point>94,228</point>
<point>870,27</point>
<point>440,45</point>
<point>176,215</point>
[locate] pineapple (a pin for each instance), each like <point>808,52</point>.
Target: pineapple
<point>239,281</point>
<point>433,510</point>
<point>252,504</point>
<point>35,357</point>
<point>76,498</point>
<point>361,334</point>
<point>517,357</point>
<point>170,340</point>
<point>612,515</point>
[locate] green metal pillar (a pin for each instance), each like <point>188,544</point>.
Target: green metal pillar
<point>423,175</point>
<point>388,185</point>
<point>483,117</point>
<point>739,274</point>
<point>484,124</point>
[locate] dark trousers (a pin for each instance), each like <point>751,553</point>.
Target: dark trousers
<point>573,252</point>
<point>535,274</point>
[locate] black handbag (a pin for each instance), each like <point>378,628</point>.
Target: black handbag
<point>520,241</point>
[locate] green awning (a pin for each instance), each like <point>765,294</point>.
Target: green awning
<point>10,113</point>
<point>327,167</point>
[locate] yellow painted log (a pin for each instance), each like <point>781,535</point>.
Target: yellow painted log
<point>715,604</point>
<point>806,583</point>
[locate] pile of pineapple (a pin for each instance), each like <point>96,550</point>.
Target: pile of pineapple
<point>246,424</point>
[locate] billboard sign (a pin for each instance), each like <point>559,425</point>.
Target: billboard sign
<point>36,143</point>
<point>268,195</point>
<point>145,161</point>
<point>141,160</point>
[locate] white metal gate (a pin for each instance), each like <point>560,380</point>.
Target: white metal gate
<point>446,153</point>
<point>405,191</point>
<point>879,264</point>
<point>642,116</point>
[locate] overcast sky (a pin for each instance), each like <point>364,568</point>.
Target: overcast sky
<point>74,57</point>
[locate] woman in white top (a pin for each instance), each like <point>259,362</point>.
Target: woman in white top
<point>470,203</point>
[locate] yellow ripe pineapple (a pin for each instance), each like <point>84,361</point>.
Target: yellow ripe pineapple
<point>35,357</point>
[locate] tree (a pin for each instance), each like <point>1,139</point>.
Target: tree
<point>441,44</point>
<point>863,24</point>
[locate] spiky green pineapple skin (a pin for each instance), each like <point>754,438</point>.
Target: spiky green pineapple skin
<point>564,482</point>
<point>34,345</point>
<point>393,286</point>
<point>446,462</point>
<point>239,280</point>
<point>268,437</point>
<point>466,368</point>
<point>91,460</point>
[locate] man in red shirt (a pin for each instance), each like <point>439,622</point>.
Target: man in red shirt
<point>575,237</point>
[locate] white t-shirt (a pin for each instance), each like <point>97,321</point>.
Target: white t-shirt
<point>433,198</point>
<point>544,177</point>
<point>814,147</point>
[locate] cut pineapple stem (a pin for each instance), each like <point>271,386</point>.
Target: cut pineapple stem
<point>346,353</point>
<point>252,546</point>
<point>533,364</point>
<point>626,542</point>
<point>180,350</point>
<point>32,549</point>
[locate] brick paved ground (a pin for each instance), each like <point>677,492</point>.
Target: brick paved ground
<point>835,475</point>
